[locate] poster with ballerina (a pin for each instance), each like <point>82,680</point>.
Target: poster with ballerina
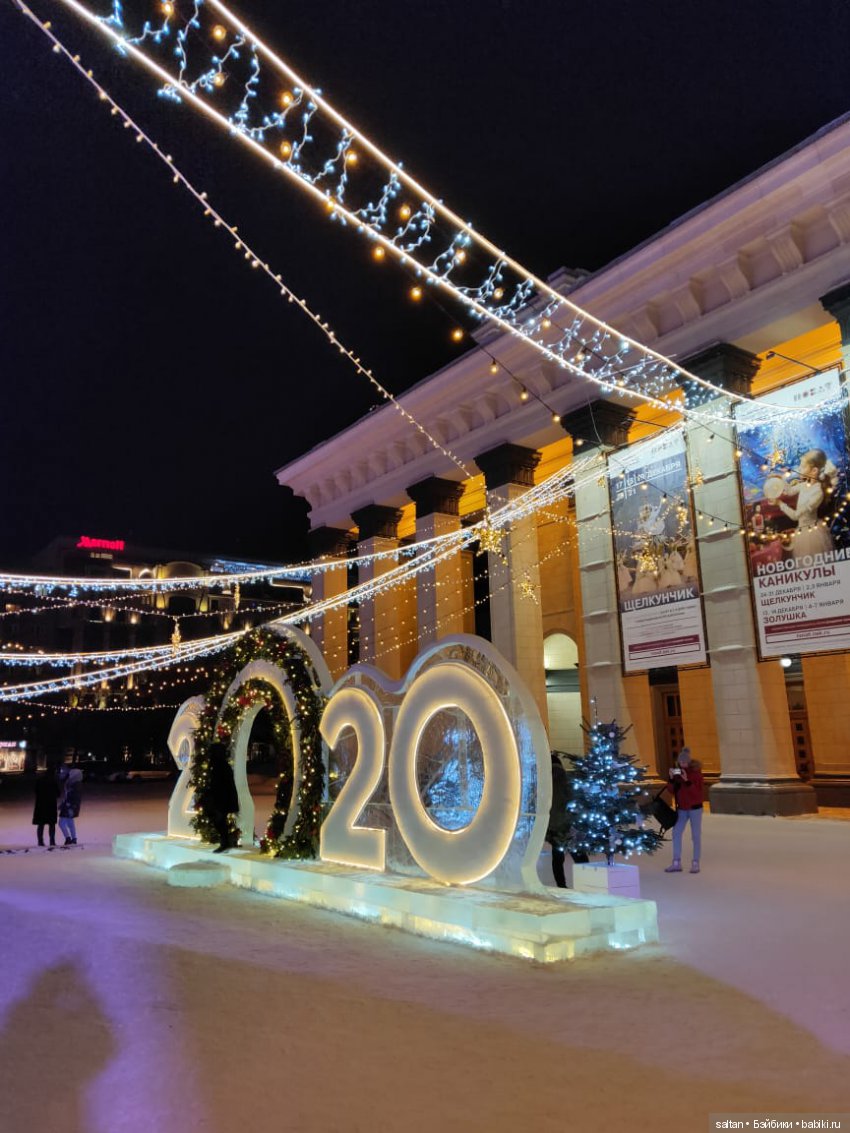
<point>658,589</point>
<point>794,486</point>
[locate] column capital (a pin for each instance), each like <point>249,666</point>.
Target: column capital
<point>330,542</point>
<point>724,365</point>
<point>599,424</point>
<point>436,495</point>
<point>377,520</point>
<point>508,464</point>
<point>837,304</point>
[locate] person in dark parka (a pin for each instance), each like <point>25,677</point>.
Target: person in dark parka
<point>46,808</point>
<point>69,805</point>
<point>222,798</point>
<point>558,833</point>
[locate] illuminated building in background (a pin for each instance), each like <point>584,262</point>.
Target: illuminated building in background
<point>751,291</point>
<point>89,622</point>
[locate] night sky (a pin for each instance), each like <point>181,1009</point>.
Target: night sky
<point>152,383</point>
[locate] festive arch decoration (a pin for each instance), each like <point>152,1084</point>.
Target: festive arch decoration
<point>277,668</point>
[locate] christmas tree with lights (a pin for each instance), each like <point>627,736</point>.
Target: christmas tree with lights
<point>606,785</point>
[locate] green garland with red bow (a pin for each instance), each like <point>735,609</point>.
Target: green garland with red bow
<point>219,726</point>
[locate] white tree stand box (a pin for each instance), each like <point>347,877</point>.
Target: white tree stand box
<point>617,880</point>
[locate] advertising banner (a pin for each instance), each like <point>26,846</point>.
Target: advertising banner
<point>794,490</point>
<point>661,619</point>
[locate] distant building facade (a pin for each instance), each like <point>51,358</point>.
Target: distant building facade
<point>97,622</point>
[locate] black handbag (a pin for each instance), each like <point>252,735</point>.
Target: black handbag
<point>662,812</point>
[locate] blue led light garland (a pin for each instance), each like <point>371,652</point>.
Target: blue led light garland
<point>225,70</point>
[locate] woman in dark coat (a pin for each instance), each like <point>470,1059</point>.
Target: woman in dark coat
<point>222,798</point>
<point>46,806</point>
<point>558,834</point>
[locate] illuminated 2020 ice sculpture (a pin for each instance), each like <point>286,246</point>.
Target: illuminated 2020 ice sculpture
<point>439,788</point>
<point>445,773</point>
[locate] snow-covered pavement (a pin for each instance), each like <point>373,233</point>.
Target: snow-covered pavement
<point>128,1006</point>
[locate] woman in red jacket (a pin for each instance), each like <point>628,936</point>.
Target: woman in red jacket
<point>686,787</point>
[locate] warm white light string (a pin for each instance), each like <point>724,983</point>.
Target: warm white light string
<point>550,491</point>
<point>421,557</point>
<point>616,370</point>
<point>241,244</point>
<point>64,605</point>
<point>189,651</point>
<point>429,552</point>
<point>101,657</point>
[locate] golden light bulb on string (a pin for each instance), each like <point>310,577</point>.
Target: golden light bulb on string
<point>460,256</point>
<point>285,150</point>
<point>351,158</point>
<point>494,367</point>
<point>219,32</point>
<point>287,99</point>
<point>546,323</point>
<point>523,394</point>
<point>416,293</point>
<point>168,9</point>
<point>379,253</point>
<point>499,293</point>
<point>405,212</point>
<point>218,79</point>
<point>457,334</point>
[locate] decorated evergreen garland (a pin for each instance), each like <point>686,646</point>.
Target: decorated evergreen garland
<point>217,726</point>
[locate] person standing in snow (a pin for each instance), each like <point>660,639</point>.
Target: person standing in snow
<point>46,806</point>
<point>685,784</point>
<point>559,821</point>
<point>222,796</point>
<point>69,805</point>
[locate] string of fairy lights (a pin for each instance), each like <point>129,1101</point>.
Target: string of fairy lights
<point>541,496</point>
<point>184,652</point>
<point>240,244</point>
<point>153,658</point>
<point>249,91</point>
<point>490,533</point>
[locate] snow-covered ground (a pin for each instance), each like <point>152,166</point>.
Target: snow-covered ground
<point>128,1006</point>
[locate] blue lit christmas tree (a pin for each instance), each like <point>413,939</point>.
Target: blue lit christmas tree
<point>606,819</point>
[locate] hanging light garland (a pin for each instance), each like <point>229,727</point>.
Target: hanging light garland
<point>240,244</point>
<point>248,90</point>
<point>189,651</point>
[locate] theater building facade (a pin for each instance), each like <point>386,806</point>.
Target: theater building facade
<point>694,583</point>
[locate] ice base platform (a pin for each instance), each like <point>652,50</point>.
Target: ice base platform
<point>546,926</point>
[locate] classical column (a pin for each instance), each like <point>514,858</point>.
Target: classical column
<point>516,619</point>
<point>330,629</point>
<point>440,590</point>
<point>827,678</point>
<point>597,429</point>
<point>758,773</point>
<point>382,617</point>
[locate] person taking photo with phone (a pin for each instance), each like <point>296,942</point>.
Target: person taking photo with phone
<point>686,787</point>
